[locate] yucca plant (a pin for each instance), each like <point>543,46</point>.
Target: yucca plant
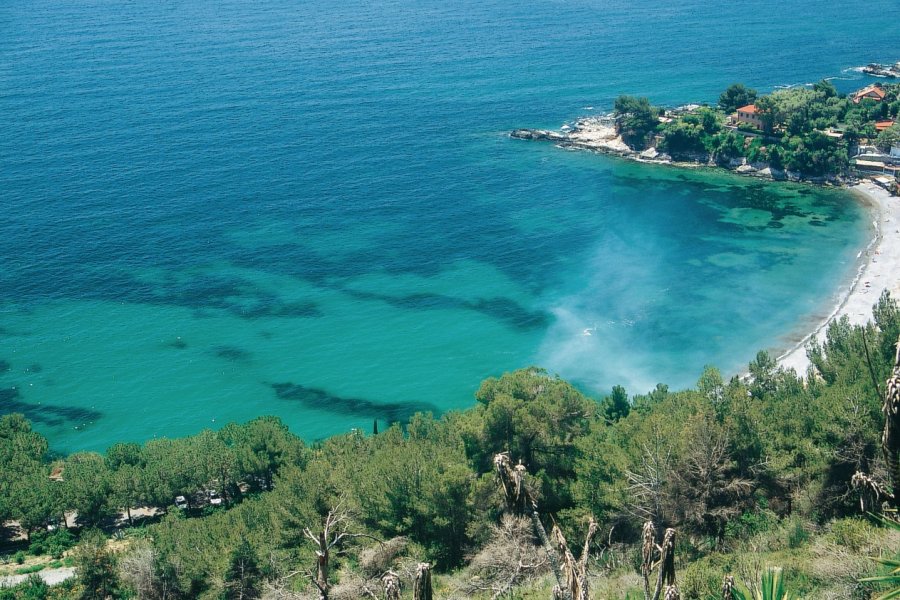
<point>771,587</point>
<point>892,578</point>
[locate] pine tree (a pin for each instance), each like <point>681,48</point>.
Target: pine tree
<point>96,568</point>
<point>242,579</point>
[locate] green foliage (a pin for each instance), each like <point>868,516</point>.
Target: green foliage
<point>19,557</point>
<point>53,543</point>
<point>34,497</point>
<point>22,453</point>
<point>86,486</point>
<point>891,565</point>
<point>262,448</point>
<point>736,96</point>
<point>534,417</point>
<point>825,88</point>
<point>616,406</point>
<point>95,567</point>
<point>600,486</point>
<point>752,523</point>
<point>815,154</point>
<point>797,534</point>
<point>693,133</point>
<point>700,580</point>
<point>33,588</point>
<point>725,146</point>
<point>793,125</point>
<point>243,575</point>
<point>771,587</point>
<point>888,138</point>
<point>853,534</point>
<point>30,569</point>
<point>638,119</point>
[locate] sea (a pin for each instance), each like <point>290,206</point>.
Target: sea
<point>219,209</point>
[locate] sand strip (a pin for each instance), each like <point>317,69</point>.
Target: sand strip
<point>881,271</point>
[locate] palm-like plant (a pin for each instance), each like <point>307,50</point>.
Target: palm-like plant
<point>892,578</point>
<point>771,587</point>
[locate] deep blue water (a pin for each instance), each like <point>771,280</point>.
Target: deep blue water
<point>214,210</point>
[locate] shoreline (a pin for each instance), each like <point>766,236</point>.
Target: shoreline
<point>594,134</point>
<point>878,270</point>
<point>878,264</point>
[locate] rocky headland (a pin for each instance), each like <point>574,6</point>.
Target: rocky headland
<point>599,134</point>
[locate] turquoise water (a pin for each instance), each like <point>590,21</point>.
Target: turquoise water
<point>216,210</point>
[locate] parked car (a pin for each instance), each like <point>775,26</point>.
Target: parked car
<point>181,502</point>
<point>214,498</point>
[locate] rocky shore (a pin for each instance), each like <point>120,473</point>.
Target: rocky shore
<point>598,134</point>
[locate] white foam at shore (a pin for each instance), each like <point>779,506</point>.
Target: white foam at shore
<point>879,272</point>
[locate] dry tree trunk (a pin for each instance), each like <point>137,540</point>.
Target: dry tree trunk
<point>390,581</point>
<point>890,440</point>
<point>872,494</point>
<point>520,502</point>
<point>422,586</point>
<point>728,587</point>
<point>335,531</point>
<point>576,571</point>
<point>648,544</point>
<point>665,576</point>
<point>323,554</point>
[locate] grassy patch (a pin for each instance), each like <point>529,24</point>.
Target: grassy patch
<point>30,569</point>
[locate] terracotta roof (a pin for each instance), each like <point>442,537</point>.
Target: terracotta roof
<point>882,125</point>
<point>874,90</point>
<point>750,108</point>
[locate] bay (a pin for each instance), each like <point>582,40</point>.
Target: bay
<point>217,210</point>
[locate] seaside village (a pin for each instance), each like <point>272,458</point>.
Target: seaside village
<point>867,160</point>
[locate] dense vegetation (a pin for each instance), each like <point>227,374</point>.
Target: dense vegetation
<point>751,473</point>
<point>793,136</point>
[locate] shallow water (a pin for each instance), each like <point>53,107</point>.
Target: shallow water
<point>216,210</point>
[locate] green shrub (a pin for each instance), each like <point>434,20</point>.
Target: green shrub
<point>751,523</point>
<point>54,544</point>
<point>852,534</point>
<point>796,533</point>
<point>29,570</point>
<point>700,581</point>
<point>19,557</point>
<point>34,588</point>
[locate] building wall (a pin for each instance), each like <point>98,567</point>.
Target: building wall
<point>750,118</point>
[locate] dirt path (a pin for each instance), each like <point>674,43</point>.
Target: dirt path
<point>50,577</point>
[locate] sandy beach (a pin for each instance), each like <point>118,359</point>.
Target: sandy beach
<point>880,272</point>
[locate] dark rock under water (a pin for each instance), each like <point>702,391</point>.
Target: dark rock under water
<point>319,399</point>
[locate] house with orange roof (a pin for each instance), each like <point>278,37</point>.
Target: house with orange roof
<point>872,92</point>
<point>750,116</point>
<point>882,125</point>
